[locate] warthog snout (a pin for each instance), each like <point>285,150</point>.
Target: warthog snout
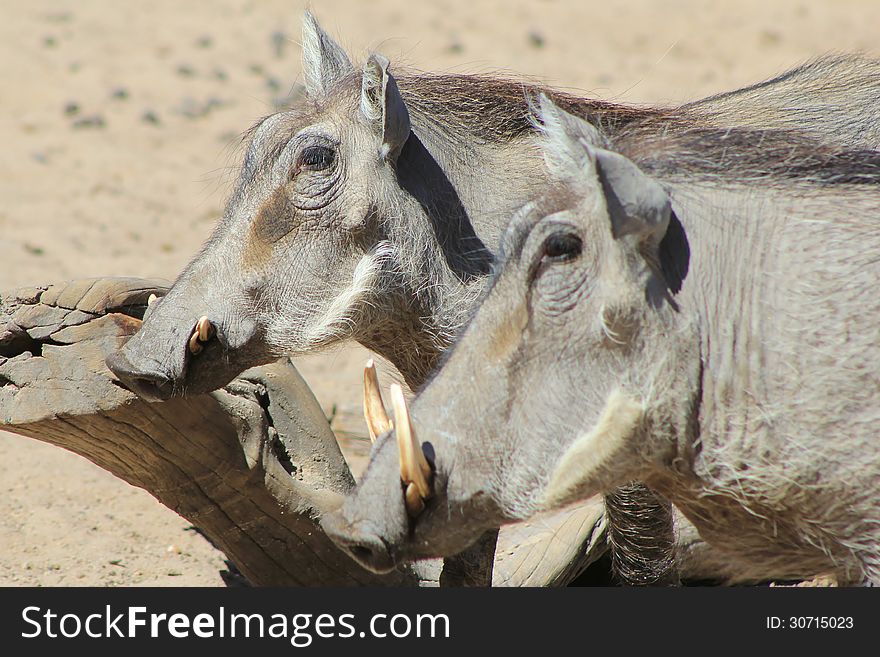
<point>176,353</point>
<point>148,376</point>
<point>365,547</point>
<point>150,385</point>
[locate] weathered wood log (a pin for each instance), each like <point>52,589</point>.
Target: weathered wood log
<point>253,466</point>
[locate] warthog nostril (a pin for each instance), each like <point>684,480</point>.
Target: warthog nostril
<point>368,551</point>
<point>144,383</point>
<point>361,553</point>
<point>367,548</point>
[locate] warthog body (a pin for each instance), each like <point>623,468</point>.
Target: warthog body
<point>706,322</point>
<point>363,212</point>
<point>830,98</point>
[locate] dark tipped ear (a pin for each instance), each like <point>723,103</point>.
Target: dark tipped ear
<point>382,104</point>
<point>675,255</point>
<point>324,62</point>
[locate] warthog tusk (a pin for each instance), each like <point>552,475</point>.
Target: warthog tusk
<point>203,332</point>
<point>195,346</point>
<point>204,328</point>
<point>414,502</point>
<point>374,408</point>
<point>151,299</point>
<point>415,472</point>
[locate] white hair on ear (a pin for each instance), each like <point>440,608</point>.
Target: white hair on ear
<point>568,139</point>
<point>373,87</point>
<point>324,62</point>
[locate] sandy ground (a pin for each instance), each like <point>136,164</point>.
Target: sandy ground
<point>119,124</point>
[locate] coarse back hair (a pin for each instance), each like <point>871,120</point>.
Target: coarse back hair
<point>677,150</point>
<point>669,142</point>
<point>497,109</point>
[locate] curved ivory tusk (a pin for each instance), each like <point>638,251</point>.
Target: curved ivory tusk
<point>195,346</point>
<point>414,468</point>
<point>414,502</point>
<point>374,408</point>
<point>204,328</point>
<point>203,332</point>
<point>151,299</point>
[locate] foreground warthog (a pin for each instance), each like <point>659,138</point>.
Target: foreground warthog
<point>737,373</point>
<point>364,211</point>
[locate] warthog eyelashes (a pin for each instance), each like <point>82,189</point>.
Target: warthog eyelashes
<point>558,247</point>
<point>316,158</point>
<point>561,247</point>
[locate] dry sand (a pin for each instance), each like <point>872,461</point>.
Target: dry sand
<point>120,123</point>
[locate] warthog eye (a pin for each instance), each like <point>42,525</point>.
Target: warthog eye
<point>316,158</point>
<point>560,247</point>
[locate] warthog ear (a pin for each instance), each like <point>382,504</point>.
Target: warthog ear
<point>639,206</point>
<point>573,150</point>
<point>383,105</point>
<point>566,137</point>
<point>324,62</point>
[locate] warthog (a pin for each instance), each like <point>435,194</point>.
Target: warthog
<point>734,370</point>
<point>364,210</point>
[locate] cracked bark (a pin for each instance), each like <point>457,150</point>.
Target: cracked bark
<point>214,459</point>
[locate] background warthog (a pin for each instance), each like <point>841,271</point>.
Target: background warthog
<point>705,322</point>
<point>364,210</point>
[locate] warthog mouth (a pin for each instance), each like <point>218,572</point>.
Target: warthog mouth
<point>156,386</point>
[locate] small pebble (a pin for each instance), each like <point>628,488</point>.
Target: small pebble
<point>204,41</point>
<point>93,121</point>
<point>58,17</point>
<point>279,42</point>
<point>120,93</point>
<point>150,117</point>
<point>71,108</point>
<point>536,40</point>
<point>193,109</point>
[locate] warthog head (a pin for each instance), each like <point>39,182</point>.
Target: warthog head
<point>313,247</point>
<point>549,396</point>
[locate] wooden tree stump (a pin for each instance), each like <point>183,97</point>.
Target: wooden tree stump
<point>253,466</point>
